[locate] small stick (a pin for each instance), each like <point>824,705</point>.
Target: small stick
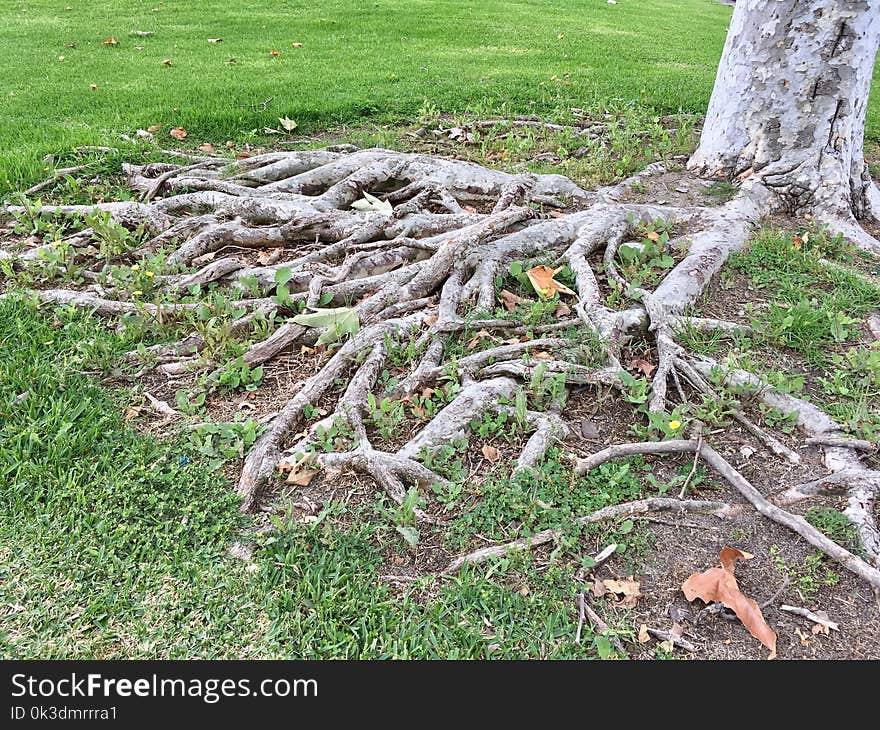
<point>604,628</point>
<point>776,595</point>
<point>604,555</point>
<point>160,406</point>
<point>693,466</point>
<point>669,636</point>
<point>581,617</point>
<point>646,447</point>
<point>626,509</point>
<point>836,441</point>
<point>808,614</point>
<point>165,177</point>
<point>59,173</point>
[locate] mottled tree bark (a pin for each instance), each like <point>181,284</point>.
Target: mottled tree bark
<point>789,103</point>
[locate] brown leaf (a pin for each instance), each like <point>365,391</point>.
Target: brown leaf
<point>478,338</point>
<point>269,256</point>
<point>154,128</point>
<point>642,366</point>
<point>643,636</point>
<point>542,355</point>
<point>207,147</point>
<point>111,41</point>
<point>300,473</point>
<point>491,453</point>
<point>273,52</point>
<point>302,478</point>
<point>541,278</point>
<point>562,310</point>
<point>719,585</point>
<point>178,133</point>
<point>431,320</point>
<point>166,62</point>
<point>652,236</point>
<point>509,300</point>
<point>598,588</point>
<point>628,588</point>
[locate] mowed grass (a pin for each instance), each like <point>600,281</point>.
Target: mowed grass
<point>382,59</point>
<point>114,546</point>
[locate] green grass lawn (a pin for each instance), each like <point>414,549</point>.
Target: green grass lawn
<point>382,58</point>
<point>114,544</point>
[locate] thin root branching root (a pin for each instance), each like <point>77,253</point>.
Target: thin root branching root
<point>409,249</point>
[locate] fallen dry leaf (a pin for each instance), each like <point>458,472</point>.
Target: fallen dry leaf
<point>300,473</point>
<point>166,62</point>
<point>269,256</point>
<point>287,124</point>
<point>643,637</point>
<point>719,585</point>
<point>643,366</point>
<point>178,133</point>
<point>111,41</point>
<point>541,278</point>
<point>154,128</point>
<point>628,588</point>
<point>301,478</point>
<point>478,338</point>
<point>652,236</point>
<point>542,355</point>
<point>491,454</point>
<point>273,52</point>
<point>562,310</point>
<point>207,147</point>
<point>509,300</point>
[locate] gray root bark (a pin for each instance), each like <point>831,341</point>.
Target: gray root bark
<point>416,274</point>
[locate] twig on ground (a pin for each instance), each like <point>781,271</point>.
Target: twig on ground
<point>673,638</point>
<point>603,628</point>
<point>779,592</point>
<point>693,466</point>
<point>626,509</point>
<point>857,444</point>
<point>581,617</point>
<point>808,614</point>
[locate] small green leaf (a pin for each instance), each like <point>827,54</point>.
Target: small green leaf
<point>282,276</point>
<point>408,533</point>
<point>603,647</point>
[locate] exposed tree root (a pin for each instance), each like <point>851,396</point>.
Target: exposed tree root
<point>418,263</point>
<point>616,511</point>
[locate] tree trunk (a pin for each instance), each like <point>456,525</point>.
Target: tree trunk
<point>789,103</point>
